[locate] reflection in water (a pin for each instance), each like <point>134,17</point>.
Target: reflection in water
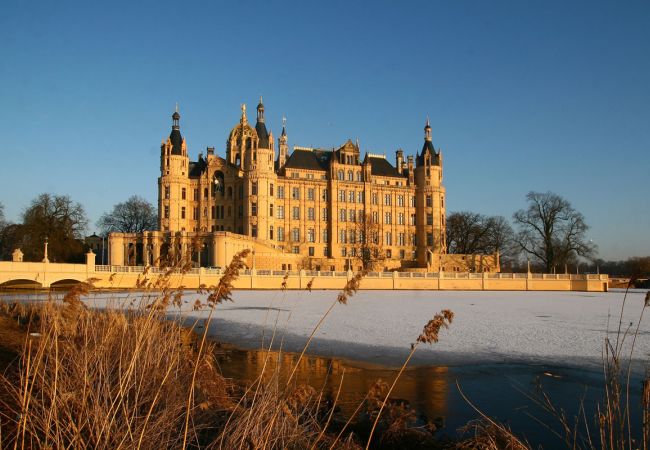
<point>426,389</point>
<point>502,391</point>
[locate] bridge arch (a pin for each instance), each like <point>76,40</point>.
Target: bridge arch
<point>21,283</point>
<point>65,283</point>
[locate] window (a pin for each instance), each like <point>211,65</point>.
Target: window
<point>351,197</point>
<point>374,198</point>
<point>213,212</point>
<point>429,239</point>
<point>295,235</point>
<point>389,253</point>
<point>414,240</point>
<point>353,251</point>
<point>388,218</point>
<point>325,194</point>
<point>271,189</point>
<point>343,215</point>
<point>400,239</point>
<point>271,210</point>
<point>271,232</point>
<point>311,251</point>
<point>413,219</point>
<point>350,175</point>
<point>400,200</point>
<point>353,215</point>
<point>309,176</point>
<point>340,175</point>
<point>310,214</point>
<point>195,214</point>
<point>310,194</point>
<point>359,178</point>
<point>429,219</point>
<point>389,238</point>
<point>326,252</point>
<point>295,249</point>
<point>280,213</point>
<point>166,212</point>
<point>166,192</point>
<point>311,237</point>
<point>341,196</point>
<point>296,212</point>
<point>325,214</point>
<point>205,212</point>
<point>402,254</point>
<point>254,188</point>
<point>375,217</point>
<point>400,218</point>
<point>413,201</point>
<point>183,212</point>
<point>254,230</point>
<point>442,202</point>
<point>183,194</point>
<point>295,193</point>
<point>387,199</point>
<point>344,251</point>
<point>342,237</point>
<point>428,201</point>
<point>353,237</point>
<point>196,194</point>
<point>280,191</point>
<point>294,175</point>
<point>325,236</point>
<point>360,197</point>
<point>280,233</point>
<point>253,209</point>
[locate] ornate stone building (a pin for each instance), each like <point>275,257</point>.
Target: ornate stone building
<point>298,209</point>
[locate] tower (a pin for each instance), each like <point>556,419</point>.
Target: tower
<point>429,196</point>
<point>173,184</point>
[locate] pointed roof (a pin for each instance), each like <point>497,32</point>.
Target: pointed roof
<point>175,136</point>
<point>260,127</point>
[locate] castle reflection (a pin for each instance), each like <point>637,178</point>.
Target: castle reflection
<point>425,388</point>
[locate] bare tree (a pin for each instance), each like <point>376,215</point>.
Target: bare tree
<point>551,230</point>
<point>367,243</point>
<point>60,220</point>
<point>132,216</point>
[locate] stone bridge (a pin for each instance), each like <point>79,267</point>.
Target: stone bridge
<point>43,275</point>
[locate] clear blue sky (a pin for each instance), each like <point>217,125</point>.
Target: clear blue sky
<point>534,95</point>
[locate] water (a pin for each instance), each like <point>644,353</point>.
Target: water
<point>505,392</point>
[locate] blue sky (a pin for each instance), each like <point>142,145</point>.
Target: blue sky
<point>538,95</point>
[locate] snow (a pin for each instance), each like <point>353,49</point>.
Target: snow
<point>551,328</point>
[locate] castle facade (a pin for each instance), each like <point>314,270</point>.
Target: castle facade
<point>302,209</point>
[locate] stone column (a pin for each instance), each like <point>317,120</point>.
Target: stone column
<point>116,246</point>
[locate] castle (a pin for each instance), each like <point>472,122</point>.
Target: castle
<point>305,209</point>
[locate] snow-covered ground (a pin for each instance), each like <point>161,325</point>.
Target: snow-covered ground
<point>555,328</point>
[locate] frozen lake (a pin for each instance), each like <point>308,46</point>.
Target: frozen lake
<point>559,328</point>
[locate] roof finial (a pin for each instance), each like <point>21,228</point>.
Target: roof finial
<point>176,106</point>
<point>244,119</point>
<point>284,121</point>
<point>261,99</point>
<point>428,125</point>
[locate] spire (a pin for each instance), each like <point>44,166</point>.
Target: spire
<point>284,124</point>
<point>176,117</point>
<point>260,111</point>
<point>175,136</point>
<point>427,130</point>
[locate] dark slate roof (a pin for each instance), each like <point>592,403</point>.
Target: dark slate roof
<point>197,168</point>
<point>177,141</point>
<point>428,147</point>
<point>310,160</point>
<point>381,167</point>
<point>262,134</point>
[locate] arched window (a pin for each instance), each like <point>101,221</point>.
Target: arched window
<point>350,175</point>
<point>359,176</point>
<point>341,175</point>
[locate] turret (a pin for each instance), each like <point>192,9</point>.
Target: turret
<point>283,146</point>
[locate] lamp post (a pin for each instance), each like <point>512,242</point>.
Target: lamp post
<point>45,260</point>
